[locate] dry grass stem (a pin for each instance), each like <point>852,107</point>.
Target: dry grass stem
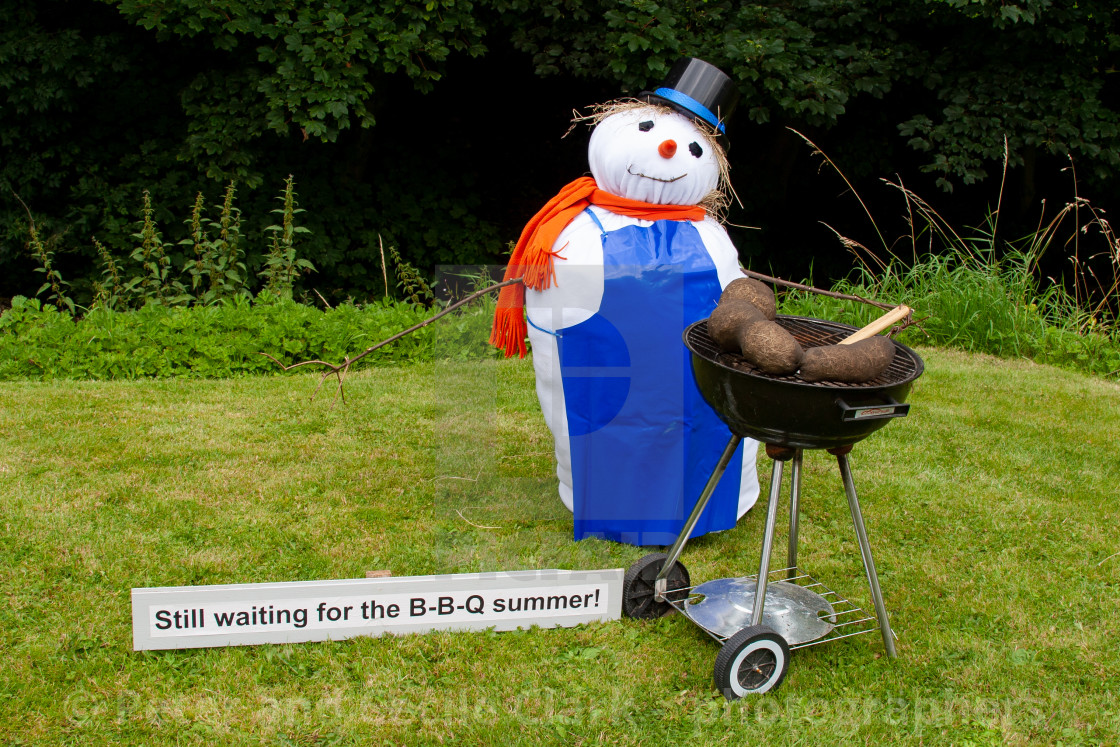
<point>858,250</point>
<point>464,518</point>
<point>456,477</point>
<point>818,152</point>
<point>384,269</point>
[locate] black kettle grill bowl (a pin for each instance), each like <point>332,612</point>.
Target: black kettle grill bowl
<point>787,411</point>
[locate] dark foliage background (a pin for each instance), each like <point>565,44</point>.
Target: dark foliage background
<point>438,125</point>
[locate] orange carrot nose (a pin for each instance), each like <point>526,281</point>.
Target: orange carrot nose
<point>667,148</point>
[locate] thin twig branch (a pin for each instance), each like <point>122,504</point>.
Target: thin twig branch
<point>907,324</point>
<point>811,289</point>
<point>340,370</point>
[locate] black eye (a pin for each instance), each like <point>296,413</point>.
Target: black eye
<point>695,149</point>
<point>646,126</point>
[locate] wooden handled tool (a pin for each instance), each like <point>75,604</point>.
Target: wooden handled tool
<point>896,314</point>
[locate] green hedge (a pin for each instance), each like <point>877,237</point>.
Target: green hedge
<point>37,341</point>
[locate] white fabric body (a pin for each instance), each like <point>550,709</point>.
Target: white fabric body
<point>623,156</point>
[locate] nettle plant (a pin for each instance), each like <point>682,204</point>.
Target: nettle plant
<point>156,283</point>
<point>208,265</point>
<point>214,269</point>
<point>45,257</point>
<point>281,266</point>
<point>110,291</point>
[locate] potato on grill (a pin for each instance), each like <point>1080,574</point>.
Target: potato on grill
<point>852,364</point>
<point>752,290</point>
<point>729,318</point>
<point>739,325</point>
<point>767,345</point>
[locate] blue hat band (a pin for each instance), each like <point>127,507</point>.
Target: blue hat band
<point>692,105</point>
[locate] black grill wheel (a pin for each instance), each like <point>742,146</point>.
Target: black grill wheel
<point>751,662</point>
<point>638,593</point>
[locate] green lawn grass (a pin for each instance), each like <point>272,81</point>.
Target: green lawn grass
<point>992,509</point>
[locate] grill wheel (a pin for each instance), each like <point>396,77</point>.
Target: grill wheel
<point>638,595</point>
<point>751,662</point>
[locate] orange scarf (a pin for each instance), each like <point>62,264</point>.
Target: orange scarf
<point>533,256</point>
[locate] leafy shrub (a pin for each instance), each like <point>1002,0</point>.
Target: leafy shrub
<point>39,341</point>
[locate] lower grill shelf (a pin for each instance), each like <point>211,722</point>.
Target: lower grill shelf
<point>798,606</point>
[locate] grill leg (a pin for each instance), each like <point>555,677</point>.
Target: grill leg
<point>794,512</point>
<point>659,585</point>
<point>865,550</point>
<point>780,455</point>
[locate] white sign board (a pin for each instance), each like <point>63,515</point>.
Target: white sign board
<point>249,614</point>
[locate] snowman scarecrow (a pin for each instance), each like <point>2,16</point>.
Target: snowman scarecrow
<point>614,268</point>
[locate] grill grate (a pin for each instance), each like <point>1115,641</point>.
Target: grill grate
<point>809,333</point>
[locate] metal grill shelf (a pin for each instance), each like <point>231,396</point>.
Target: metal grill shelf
<point>847,619</point>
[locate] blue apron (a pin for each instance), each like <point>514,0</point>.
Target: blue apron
<point>643,441</point>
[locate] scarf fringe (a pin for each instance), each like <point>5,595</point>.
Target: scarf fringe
<point>509,331</point>
<point>537,272</point>
<point>540,269</point>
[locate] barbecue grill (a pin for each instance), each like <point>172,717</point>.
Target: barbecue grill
<point>759,619</point>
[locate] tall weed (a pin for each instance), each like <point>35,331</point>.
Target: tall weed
<point>53,281</point>
<point>282,266</point>
<point>110,291</point>
<point>156,282</point>
<point>214,267</point>
<point>45,257</point>
<point>977,290</point>
<point>412,285</point>
<point>216,270</point>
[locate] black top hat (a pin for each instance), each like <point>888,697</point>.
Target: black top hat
<point>698,90</point>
